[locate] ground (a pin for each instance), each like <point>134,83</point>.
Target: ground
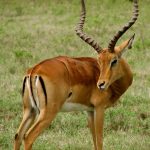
<point>31,31</point>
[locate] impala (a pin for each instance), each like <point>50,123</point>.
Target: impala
<point>75,84</point>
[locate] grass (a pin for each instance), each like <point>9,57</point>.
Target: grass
<point>31,31</point>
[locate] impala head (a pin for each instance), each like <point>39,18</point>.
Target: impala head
<point>108,58</point>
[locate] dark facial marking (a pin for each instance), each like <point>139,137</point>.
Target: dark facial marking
<point>114,62</point>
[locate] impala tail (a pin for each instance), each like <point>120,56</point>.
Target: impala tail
<point>35,85</point>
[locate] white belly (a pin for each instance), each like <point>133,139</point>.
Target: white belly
<point>67,106</point>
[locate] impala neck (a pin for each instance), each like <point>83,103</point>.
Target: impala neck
<point>127,73</point>
<point>122,84</point>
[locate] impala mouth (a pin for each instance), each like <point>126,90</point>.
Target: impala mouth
<point>102,87</point>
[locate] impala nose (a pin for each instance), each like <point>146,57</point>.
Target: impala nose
<point>101,85</point>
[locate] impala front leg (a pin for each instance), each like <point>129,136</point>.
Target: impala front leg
<point>98,122</point>
<point>92,127</point>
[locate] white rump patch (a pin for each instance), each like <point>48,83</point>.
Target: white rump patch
<point>67,107</point>
<point>36,95</point>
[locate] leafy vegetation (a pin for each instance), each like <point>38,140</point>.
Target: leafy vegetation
<point>31,31</point>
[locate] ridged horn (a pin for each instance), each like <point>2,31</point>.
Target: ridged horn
<point>81,34</point>
<point>125,28</point>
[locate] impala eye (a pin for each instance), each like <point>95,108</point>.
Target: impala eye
<point>114,62</point>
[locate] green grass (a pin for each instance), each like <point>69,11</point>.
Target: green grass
<point>31,31</point>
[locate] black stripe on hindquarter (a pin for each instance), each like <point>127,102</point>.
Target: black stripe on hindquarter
<point>43,87</point>
<point>23,86</point>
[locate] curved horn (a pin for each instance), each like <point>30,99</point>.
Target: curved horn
<point>81,34</point>
<point>125,28</point>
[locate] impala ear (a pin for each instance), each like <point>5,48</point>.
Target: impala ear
<point>131,41</point>
<point>126,44</point>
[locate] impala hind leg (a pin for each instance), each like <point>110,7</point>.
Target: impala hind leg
<point>28,118</point>
<point>92,127</point>
<point>43,121</point>
<point>29,114</point>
